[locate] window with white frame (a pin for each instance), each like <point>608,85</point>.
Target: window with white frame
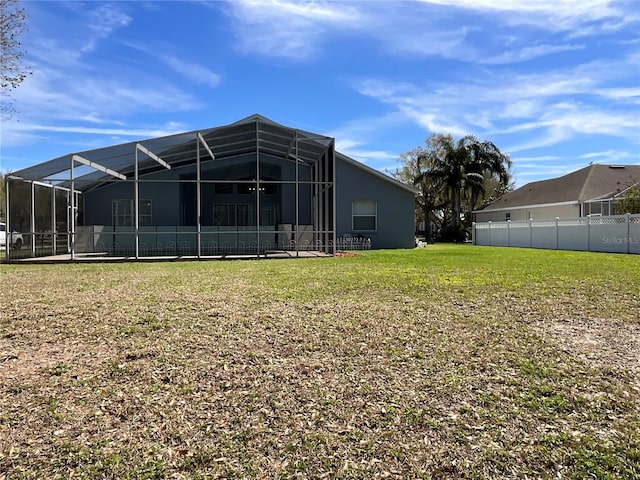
<point>123,214</point>
<point>365,215</point>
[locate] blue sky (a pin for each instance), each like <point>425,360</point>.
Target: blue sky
<point>555,84</point>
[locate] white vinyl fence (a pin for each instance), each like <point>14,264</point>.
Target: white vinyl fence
<point>617,234</point>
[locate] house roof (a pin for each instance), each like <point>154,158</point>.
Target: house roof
<point>376,173</point>
<point>94,167</point>
<point>594,182</point>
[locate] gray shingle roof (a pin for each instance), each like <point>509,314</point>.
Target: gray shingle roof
<point>589,183</point>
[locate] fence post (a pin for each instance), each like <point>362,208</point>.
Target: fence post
<point>557,234</point>
<point>508,233</point>
<point>490,242</point>
<point>473,234</point>
<point>588,233</point>
<point>627,218</point>
<point>530,232</point>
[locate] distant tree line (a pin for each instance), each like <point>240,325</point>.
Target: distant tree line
<point>454,178</point>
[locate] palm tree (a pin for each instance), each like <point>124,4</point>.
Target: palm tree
<point>432,195</point>
<point>453,179</point>
<point>486,164</point>
<point>430,200</point>
<point>448,169</point>
<point>460,169</point>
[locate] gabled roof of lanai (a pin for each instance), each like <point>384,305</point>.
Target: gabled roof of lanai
<point>240,137</point>
<point>245,135</point>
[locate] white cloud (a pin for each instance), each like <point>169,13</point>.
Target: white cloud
<point>95,118</point>
<point>409,37</point>
<point>193,71</point>
<point>74,90</point>
<point>567,8</point>
<point>102,22</point>
<point>430,28</point>
<point>435,122</point>
<point>611,156</point>
<point>59,94</point>
<point>73,96</point>
<point>369,156</point>
<point>521,108</point>
<point>344,144</point>
<point>353,138</point>
<point>550,107</point>
<point>287,29</point>
<point>548,14</point>
<point>25,133</point>
<point>541,136</point>
<point>51,52</point>
<point>540,158</point>
<point>528,53</point>
<point>547,171</point>
<point>620,93</point>
<point>120,132</point>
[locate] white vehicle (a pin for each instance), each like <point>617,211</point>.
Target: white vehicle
<point>15,238</point>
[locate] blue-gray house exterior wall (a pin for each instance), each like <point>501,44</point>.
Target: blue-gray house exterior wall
<point>395,205</point>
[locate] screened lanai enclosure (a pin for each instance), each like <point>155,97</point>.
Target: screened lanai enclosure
<point>249,188</point>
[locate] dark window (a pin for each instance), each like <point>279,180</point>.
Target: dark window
<point>123,214</point>
<point>244,215</point>
<point>364,215</point>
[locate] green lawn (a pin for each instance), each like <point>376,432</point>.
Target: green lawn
<point>443,362</point>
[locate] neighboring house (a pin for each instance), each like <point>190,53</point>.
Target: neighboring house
<point>248,187</point>
<point>592,190</point>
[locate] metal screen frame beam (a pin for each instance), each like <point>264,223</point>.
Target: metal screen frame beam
<point>7,224</point>
<point>295,143</point>
<point>136,190</point>
<point>54,232</point>
<point>206,146</point>
<point>71,210</point>
<point>97,166</point>
<point>332,148</point>
<point>152,155</point>
<point>258,187</point>
<point>199,139</point>
<point>32,219</point>
<point>136,201</point>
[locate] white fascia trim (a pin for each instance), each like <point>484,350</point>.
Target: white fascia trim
<point>521,207</point>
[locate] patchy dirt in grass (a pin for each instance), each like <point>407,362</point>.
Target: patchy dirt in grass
<point>347,254</point>
<point>18,363</point>
<point>606,342</point>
